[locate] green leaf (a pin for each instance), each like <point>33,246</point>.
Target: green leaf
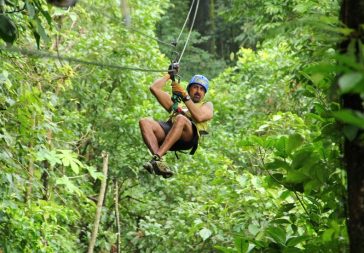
<point>41,31</point>
<point>283,220</point>
<point>205,233</point>
<point>295,176</point>
<point>294,141</point>
<point>350,132</point>
<point>311,185</point>
<point>293,241</point>
<point>253,229</point>
<point>94,173</point>
<point>349,61</point>
<point>241,245</point>
<point>281,146</point>
<point>45,13</point>
<point>277,164</point>
<point>291,250</point>
<point>351,117</point>
<point>71,187</point>
<point>224,249</point>
<point>48,155</point>
<point>349,81</point>
<point>30,9</point>
<point>277,235</point>
<point>256,140</point>
<point>328,234</point>
<point>70,159</point>
<point>302,158</point>
<point>288,206</point>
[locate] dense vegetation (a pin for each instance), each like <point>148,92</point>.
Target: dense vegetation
<point>268,178</point>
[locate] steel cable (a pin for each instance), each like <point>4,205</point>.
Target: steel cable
<point>40,54</point>
<point>189,34</point>
<point>183,27</point>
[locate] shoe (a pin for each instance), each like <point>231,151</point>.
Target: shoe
<point>160,167</point>
<point>149,167</point>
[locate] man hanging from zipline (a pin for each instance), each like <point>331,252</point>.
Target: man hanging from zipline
<point>186,123</point>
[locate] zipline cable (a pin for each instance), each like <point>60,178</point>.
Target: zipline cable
<point>40,54</point>
<point>189,34</point>
<point>179,36</point>
<point>187,18</point>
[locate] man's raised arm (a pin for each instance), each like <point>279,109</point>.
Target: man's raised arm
<point>157,90</point>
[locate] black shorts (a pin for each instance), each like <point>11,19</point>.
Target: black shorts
<point>181,144</point>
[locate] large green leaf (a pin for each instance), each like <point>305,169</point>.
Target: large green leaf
<point>350,117</point>
<point>302,158</point>
<point>277,235</point>
<point>277,164</point>
<point>69,159</point>
<point>241,245</point>
<point>350,81</point>
<point>294,141</point>
<point>295,176</point>
<point>294,241</point>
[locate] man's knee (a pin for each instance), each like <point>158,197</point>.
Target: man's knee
<point>181,119</point>
<point>148,124</point>
<point>144,122</point>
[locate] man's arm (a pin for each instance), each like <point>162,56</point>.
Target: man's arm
<point>200,114</point>
<point>163,97</point>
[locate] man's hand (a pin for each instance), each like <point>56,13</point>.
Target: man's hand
<point>173,70</point>
<point>178,90</point>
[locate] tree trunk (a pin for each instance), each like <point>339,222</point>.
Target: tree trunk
<point>28,193</point>
<point>352,15</point>
<point>116,199</point>
<point>125,12</point>
<point>100,201</point>
<point>45,180</point>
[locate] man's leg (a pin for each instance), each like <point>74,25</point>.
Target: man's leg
<point>181,129</point>
<point>153,134</point>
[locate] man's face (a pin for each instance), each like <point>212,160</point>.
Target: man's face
<point>196,92</point>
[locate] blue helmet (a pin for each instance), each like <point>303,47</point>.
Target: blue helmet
<point>199,79</point>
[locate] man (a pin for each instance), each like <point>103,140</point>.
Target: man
<point>184,126</point>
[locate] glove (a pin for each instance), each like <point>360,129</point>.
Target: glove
<point>173,70</point>
<point>178,90</point>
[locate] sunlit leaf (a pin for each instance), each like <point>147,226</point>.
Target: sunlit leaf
<point>205,233</point>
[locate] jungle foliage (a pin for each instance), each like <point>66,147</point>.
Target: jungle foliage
<point>268,178</point>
